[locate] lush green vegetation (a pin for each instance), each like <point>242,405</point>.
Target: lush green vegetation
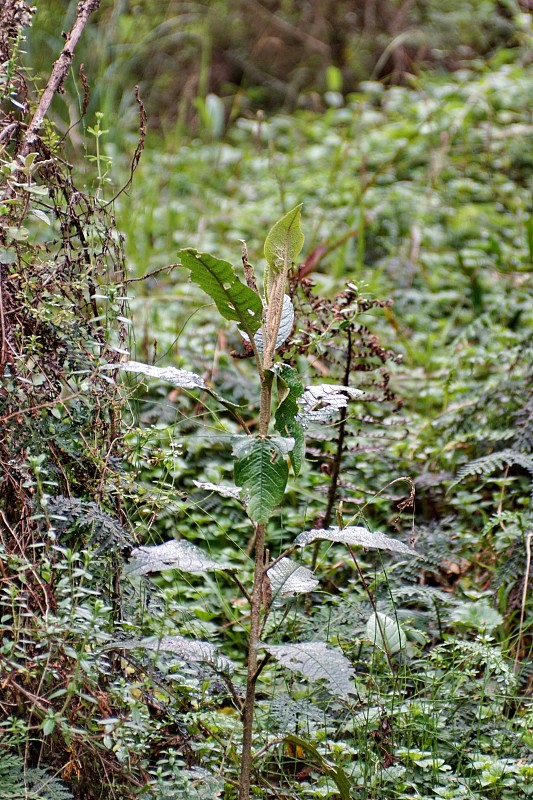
<point>387,650</point>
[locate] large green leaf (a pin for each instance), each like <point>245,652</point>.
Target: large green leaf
<point>234,299</point>
<point>262,471</point>
<point>287,414</point>
<point>285,240</point>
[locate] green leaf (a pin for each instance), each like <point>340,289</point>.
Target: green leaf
<point>385,632</point>
<point>287,420</point>
<point>283,245</point>
<point>49,724</point>
<point>285,240</point>
<point>477,615</point>
<point>234,299</point>
<point>261,469</point>
<point>293,427</point>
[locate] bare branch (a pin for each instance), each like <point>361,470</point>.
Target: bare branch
<point>59,73</point>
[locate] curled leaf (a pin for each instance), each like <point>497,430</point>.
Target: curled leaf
<point>385,633</point>
<point>189,650</point>
<point>316,661</point>
<point>285,326</point>
<point>223,491</point>
<point>288,579</point>
<point>321,402</point>
<point>181,378</point>
<point>177,377</point>
<point>374,540</point>
<point>173,554</point>
<point>288,421</point>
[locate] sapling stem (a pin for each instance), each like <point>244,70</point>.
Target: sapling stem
<point>255,613</point>
<point>251,679</point>
<point>288,230</point>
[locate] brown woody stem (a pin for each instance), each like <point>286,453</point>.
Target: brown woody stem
<point>249,702</point>
<point>255,613</point>
<point>59,73</point>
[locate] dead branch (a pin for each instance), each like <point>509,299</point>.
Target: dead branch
<point>57,77</point>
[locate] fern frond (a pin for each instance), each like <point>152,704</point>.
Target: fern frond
<point>524,427</point>
<point>21,783</point>
<point>493,462</point>
<point>510,573</point>
<point>506,518</point>
<point>286,715</point>
<point>73,515</point>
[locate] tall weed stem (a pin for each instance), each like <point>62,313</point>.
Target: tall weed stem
<point>255,613</point>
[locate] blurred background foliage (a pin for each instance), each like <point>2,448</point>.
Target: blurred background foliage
<point>265,55</point>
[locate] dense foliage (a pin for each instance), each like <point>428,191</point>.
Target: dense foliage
<point>131,502</point>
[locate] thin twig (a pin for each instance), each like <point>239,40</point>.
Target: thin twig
<point>374,607</point>
<point>143,120</point>
<point>3,338</point>
<point>38,702</point>
<point>151,274</point>
<point>524,597</point>
<point>243,589</point>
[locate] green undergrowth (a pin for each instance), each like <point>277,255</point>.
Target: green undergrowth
<point>421,195</point>
<point>414,286</point>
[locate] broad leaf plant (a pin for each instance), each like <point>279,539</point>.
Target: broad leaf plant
<point>262,463</point>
